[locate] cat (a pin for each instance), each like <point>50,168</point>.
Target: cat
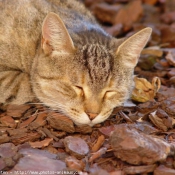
<point>55,51</point>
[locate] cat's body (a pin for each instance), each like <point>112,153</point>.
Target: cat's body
<point>68,62</point>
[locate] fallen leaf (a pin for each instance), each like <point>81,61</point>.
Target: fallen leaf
<point>97,154</point>
<point>39,121</point>
<point>151,2</point>
<point>8,121</point>
<point>98,144</point>
<point>168,17</point>
<point>163,170</point>
<point>127,16</point>
<point>144,90</point>
<point>106,12</point>
<point>161,120</point>
<point>107,130</point>
<point>28,121</point>
<point>61,122</point>
<point>74,163</point>
<point>144,169</point>
<point>170,59</point>
<point>16,111</point>
<point>155,51</point>
<point>169,106</point>
<point>41,144</point>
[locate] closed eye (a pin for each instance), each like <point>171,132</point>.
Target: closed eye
<point>109,94</point>
<point>79,90</point>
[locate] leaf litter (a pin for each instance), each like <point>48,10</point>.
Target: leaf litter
<point>138,138</point>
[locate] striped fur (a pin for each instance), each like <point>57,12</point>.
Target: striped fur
<point>64,58</point>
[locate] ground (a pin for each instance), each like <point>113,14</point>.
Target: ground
<point>138,138</point>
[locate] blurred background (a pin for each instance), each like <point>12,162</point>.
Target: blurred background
<point>124,17</point>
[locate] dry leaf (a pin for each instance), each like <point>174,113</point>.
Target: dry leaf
<point>170,59</point>
<point>151,2</point>
<point>74,163</point>
<point>97,154</point>
<point>8,121</point>
<point>41,144</point>
<point>161,119</point>
<point>127,16</point>
<point>98,144</point>
<point>155,51</point>
<point>144,90</point>
<point>162,170</point>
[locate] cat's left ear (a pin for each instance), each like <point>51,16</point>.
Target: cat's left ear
<point>129,51</point>
<point>55,36</point>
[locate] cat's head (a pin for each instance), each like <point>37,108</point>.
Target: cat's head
<point>84,80</point>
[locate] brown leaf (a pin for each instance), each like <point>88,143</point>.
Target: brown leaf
<point>61,122</point>
<point>39,121</point>
<point>170,59</point>
<point>168,35</point>
<point>161,120</point>
<point>167,92</point>
<point>162,170</point>
<point>19,132</point>
<point>17,110</point>
<point>41,144</point>
<point>97,154</point>
<point>84,129</point>
<point>28,121</point>
<point>117,172</point>
<point>144,90</point>
<point>4,138</point>
<point>144,169</point>
<point>98,144</point>
<point>155,51</point>
<point>168,17</point>
<point>8,121</point>
<point>127,16</point>
<point>25,138</point>
<point>74,163</point>
<point>151,2</point>
<point>171,73</point>
<point>107,130</point>
<point>106,12</point>
<point>169,106</point>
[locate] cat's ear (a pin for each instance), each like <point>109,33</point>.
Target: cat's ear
<point>55,36</point>
<point>129,51</point>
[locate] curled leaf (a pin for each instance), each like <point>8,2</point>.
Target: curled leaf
<point>144,90</point>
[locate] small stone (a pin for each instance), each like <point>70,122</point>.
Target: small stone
<point>76,146</point>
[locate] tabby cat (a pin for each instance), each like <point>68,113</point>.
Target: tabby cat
<point>55,51</point>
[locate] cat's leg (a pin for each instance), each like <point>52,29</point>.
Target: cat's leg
<point>15,87</point>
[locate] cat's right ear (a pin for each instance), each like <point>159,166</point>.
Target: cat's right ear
<point>55,36</point>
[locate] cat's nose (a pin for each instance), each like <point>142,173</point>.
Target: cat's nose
<point>91,115</point>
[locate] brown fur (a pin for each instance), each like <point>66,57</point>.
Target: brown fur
<point>55,50</point>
